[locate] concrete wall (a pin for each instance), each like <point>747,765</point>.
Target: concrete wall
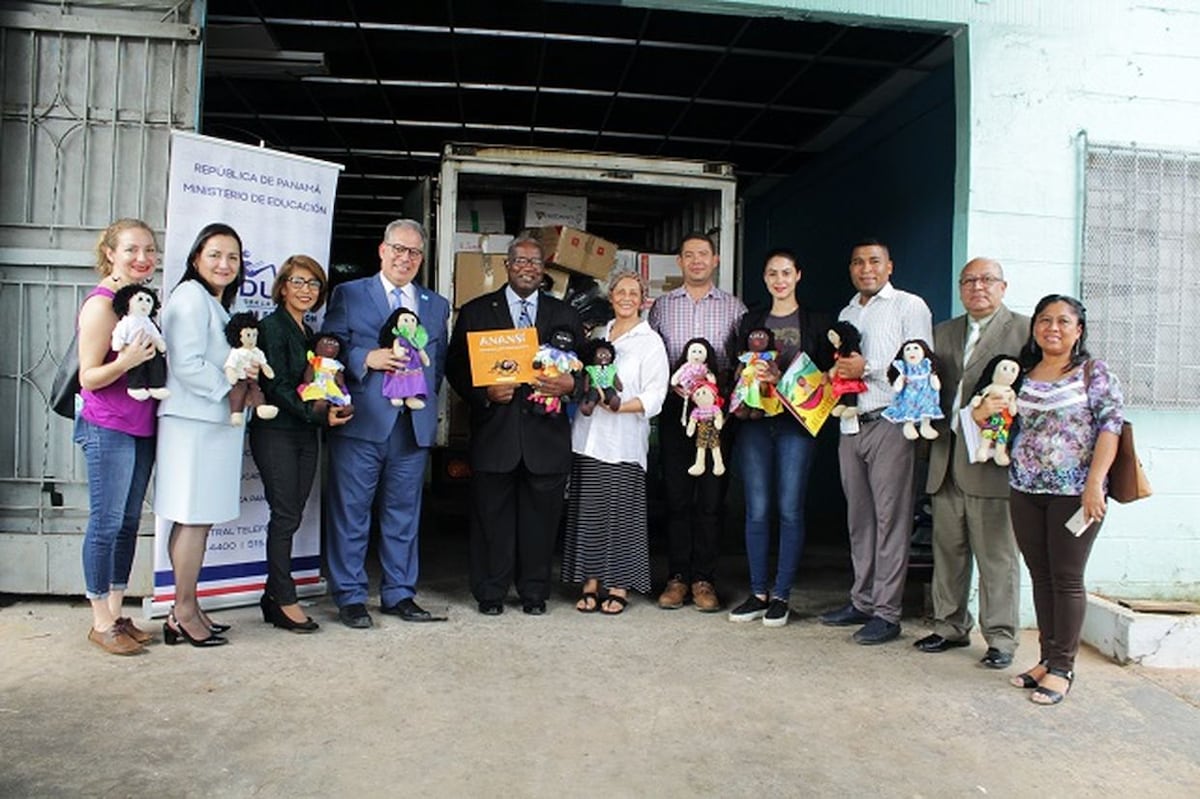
<point>1032,75</point>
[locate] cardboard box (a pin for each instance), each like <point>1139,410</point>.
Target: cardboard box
<point>482,242</point>
<point>542,210</point>
<point>578,251</point>
<point>476,274</point>
<point>627,261</point>
<point>480,215</point>
<point>559,279</point>
<point>658,266</point>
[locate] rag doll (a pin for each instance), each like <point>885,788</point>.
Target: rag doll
<point>705,422</point>
<point>404,335</point>
<point>913,375</point>
<point>600,380</point>
<point>246,397</point>
<point>557,357</point>
<point>135,306</point>
<point>1004,374</point>
<point>699,364</point>
<point>324,381</point>
<point>846,341</point>
<point>754,397</point>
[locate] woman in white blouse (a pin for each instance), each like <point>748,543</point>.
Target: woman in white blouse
<point>606,546</point>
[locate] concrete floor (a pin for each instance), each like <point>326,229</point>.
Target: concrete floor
<point>653,703</point>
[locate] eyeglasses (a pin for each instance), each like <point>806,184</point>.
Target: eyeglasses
<point>521,261</point>
<point>987,281</point>
<point>401,251</point>
<point>299,283</point>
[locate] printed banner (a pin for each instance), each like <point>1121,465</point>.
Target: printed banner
<point>281,205</point>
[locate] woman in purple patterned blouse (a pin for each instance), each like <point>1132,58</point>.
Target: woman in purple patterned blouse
<point>1070,411</point>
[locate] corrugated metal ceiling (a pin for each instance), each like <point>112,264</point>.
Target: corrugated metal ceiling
<point>381,86</point>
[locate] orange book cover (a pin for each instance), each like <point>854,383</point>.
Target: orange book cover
<point>502,356</point>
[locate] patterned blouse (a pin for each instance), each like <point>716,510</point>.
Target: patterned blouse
<point>1059,423</point>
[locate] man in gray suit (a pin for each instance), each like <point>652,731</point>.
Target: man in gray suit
<point>970,500</point>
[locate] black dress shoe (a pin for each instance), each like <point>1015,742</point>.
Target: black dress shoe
<point>355,616</point>
<point>407,610</point>
<point>274,615</point>
<point>534,608</point>
<point>995,659</point>
<point>844,617</point>
<point>877,631</point>
<point>936,643</point>
<point>491,607</point>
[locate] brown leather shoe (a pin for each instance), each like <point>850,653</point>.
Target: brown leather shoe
<point>125,624</point>
<point>114,642</point>
<point>704,597</point>
<point>674,596</point>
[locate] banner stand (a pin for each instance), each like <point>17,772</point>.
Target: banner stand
<point>281,205</point>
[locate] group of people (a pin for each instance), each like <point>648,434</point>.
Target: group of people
<point>527,462</point>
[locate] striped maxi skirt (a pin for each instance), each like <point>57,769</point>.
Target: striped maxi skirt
<point>606,536</point>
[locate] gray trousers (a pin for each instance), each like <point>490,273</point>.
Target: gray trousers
<point>963,526</point>
<point>877,479</point>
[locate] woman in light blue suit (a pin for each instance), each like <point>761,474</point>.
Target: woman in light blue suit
<point>384,450</point>
<point>199,451</point>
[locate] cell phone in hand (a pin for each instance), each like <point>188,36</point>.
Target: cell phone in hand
<point>1078,522</point>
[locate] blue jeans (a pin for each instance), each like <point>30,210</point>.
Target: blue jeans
<point>774,457</point>
<point>118,468</point>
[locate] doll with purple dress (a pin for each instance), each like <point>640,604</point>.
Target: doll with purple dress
<point>403,334</point>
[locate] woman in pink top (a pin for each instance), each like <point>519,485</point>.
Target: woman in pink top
<point>116,433</point>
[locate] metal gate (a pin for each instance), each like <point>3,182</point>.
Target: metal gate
<point>89,95</point>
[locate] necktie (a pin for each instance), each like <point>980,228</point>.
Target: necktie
<point>525,319</point>
<point>395,297</point>
<point>972,340</point>
<point>968,348</point>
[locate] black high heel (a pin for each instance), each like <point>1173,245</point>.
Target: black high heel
<point>214,627</point>
<point>273,614</point>
<point>172,635</point>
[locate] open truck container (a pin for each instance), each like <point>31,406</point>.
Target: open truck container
<point>639,203</point>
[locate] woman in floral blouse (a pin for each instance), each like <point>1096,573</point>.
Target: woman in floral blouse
<point>1070,412</point>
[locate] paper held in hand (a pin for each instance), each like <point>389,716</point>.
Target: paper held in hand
<point>502,356</point>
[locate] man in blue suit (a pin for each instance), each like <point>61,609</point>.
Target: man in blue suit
<point>384,450</point>
<point>519,458</point>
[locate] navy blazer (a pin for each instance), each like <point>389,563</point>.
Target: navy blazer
<point>502,435</point>
<point>357,310</point>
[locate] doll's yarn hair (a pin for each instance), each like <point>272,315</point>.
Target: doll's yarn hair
<point>125,295</point>
<point>237,323</point>
<point>851,338</point>
<point>388,333</point>
<point>717,400</point>
<point>710,361</point>
<point>312,342</point>
<point>893,372</point>
<point>562,338</point>
<point>746,341</point>
<point>985,378</point>
<point>595,345</point>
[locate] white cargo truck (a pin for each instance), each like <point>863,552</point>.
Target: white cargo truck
<point>642,204</point>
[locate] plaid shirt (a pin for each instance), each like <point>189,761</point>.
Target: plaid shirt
<point>678,319</point>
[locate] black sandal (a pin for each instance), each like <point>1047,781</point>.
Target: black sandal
<point>621,602</point>
<point>1025,679</point>
<point>1053,697</point>
<point>585,597</point>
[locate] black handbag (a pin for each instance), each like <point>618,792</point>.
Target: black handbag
<point>66,381</point>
